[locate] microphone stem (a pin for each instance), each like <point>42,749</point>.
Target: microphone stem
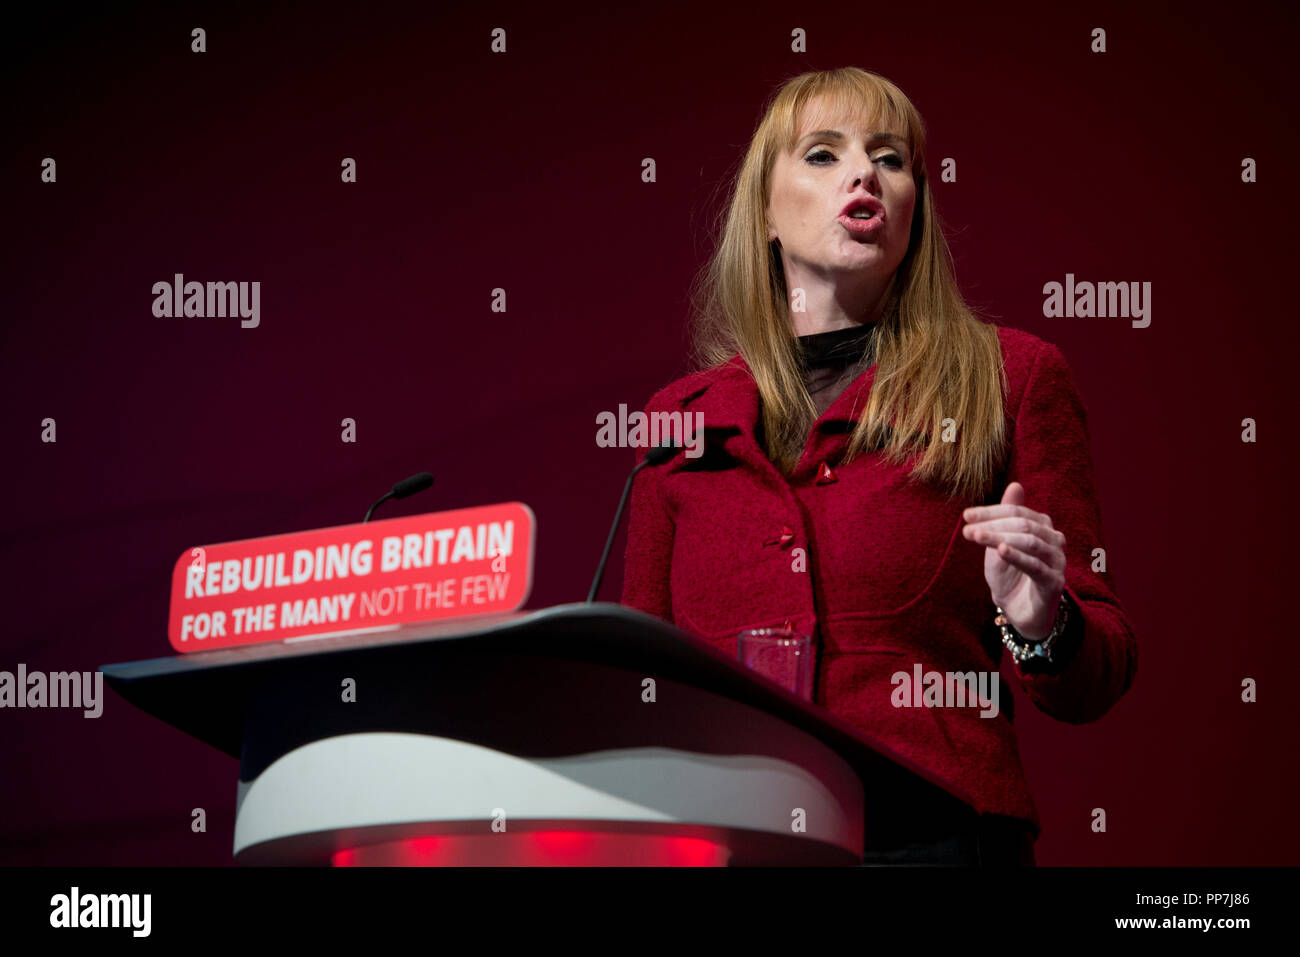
<point>613,530</point>
<point>386,497</point>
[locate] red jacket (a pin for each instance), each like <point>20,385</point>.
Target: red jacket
<point>890,581</point>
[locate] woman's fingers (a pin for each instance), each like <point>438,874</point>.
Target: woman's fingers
<point>980,513</point>
<point>1023,528</point>
<point>1049,578</point>
<point>1050,554</point>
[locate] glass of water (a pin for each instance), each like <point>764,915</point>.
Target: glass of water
<point>782,655</point>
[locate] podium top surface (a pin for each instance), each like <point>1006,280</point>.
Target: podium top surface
<point>205,693</point>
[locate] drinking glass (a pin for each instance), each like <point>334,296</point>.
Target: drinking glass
<point>782,655</point>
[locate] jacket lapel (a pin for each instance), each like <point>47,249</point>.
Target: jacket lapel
<point>727,401</point>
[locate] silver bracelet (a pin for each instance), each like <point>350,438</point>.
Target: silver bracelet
<point>1027,649</point>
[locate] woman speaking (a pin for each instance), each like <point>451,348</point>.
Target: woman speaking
<point>882,470</point>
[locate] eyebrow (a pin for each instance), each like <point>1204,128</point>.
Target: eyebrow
<point>839,137</point>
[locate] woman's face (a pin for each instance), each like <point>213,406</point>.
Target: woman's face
<point>835,162</point>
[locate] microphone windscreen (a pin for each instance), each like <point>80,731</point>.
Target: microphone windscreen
<point>662,453</point>
<point>409,486</point>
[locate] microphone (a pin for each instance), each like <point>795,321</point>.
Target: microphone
<point>403,489</point>
<point>657,455</point>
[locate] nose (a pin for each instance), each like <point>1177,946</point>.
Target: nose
<point>867,178</point>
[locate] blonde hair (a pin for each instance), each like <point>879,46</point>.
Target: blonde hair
<point>934,358</point>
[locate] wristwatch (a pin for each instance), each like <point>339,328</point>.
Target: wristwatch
<point>1028,649</point>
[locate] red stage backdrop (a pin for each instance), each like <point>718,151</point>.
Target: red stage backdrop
<point>434,255</point>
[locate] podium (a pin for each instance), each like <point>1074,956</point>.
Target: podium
<point>581,734</point>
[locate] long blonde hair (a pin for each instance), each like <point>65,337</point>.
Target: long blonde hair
<point>934,358</point>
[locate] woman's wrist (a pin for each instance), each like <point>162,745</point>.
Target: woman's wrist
<point>1048,650</point>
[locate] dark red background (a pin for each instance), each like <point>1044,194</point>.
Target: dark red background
<point>522,171</point>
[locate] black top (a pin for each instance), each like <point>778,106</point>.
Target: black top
<point>834,359</point>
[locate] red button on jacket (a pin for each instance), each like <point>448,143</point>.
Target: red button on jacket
<point>887,581</point>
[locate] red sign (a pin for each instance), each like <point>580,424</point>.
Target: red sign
<point>362,577</point>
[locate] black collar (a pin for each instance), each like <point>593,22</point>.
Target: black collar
<point>835,348</point>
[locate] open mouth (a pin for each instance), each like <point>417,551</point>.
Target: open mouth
<point>862,220</point>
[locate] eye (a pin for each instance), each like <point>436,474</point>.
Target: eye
<point>822,157</point>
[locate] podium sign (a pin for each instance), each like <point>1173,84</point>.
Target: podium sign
<point>363,577</point>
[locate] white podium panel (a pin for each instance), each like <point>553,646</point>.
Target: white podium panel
<point>372,798</point>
